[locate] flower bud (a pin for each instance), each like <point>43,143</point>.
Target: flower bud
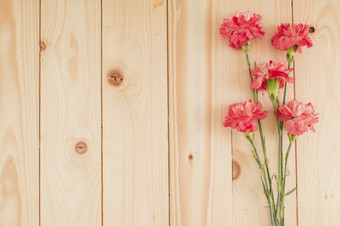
<point>246,47</point>
<point>273,86</point>
<point>291,51</point>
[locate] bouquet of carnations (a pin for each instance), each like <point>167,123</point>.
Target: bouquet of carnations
<point>293,117</point>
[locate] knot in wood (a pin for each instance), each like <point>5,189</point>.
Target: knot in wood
<point>81,147</point>
<point>311,29</point>
<point>115,78</point>
<point>236,170</point>
<point>42,46</point>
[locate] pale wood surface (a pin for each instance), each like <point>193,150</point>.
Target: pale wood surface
<point>70,113</point>
<point>19,112</point>
<point>317,73</point>
<point>200,148</point>
<point>205,76</point>
<point>135,121</point>
<point>142,87</point>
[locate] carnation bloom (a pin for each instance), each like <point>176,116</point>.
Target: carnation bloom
<point>271,71</point>
<point>290,35</point>
<point>241,116</point>
<point>240,28</point>
<point>298,117</point>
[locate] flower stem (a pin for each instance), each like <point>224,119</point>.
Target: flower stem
<point>265,172</point>
<point>258,160</point>
<point>267,187</point>
<point>280,163</point>
<point>264,151</point>
<point>284,94</point>
<point>284,185</point>
<point>251,79</point>
<point>272,217</point>
<point>285,89</point>
<point>282,173</point>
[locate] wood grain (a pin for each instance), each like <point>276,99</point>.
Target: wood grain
<point>135,121</point>
<point>155,78</point>
<point>205,77</point>
<point>317,74</point>
<point>200,148</point>
<point>19,112</point>
<point>70,112</point>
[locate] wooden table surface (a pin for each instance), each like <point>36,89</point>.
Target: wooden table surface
<point>111,114</point>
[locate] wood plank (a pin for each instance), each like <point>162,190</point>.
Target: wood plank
<point>200,148</point>
<point>71,112</point>
<point>205,77</point>
<point>19,112</point>
<point>135,125</point>
<point>317,68</point>
<point>249,204</point>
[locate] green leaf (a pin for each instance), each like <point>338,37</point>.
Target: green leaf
<point>275,177</point>
<point>290,192</point>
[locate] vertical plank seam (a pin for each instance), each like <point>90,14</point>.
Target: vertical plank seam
<point>39,117</point>
<point>296,160</point>
<point>101,113</point>
<point>232,187</point>
<point>168,106</point>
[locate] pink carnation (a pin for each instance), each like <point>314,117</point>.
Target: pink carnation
<point>241,116</point>
<point>298,117</point>
<point>240,28</point>
<point>271,71</point>
<point>292,34</point>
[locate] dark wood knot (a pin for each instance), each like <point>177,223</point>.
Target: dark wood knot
<point>42,46</point>
<point>236,170</point>
<point>81,147</point>
<point>115,78</point>
<point>311,29</point>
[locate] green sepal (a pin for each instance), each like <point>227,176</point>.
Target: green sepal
<point>246,47</point>
<point>273,86</point>
<point>249,136</point>
<point>291,51</point>
<point>292,138</point>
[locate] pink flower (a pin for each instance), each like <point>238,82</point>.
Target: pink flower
<point>292,34</point>
<point>241,116</point>
<point>240,28</point>
<point>298,117</point>
<point>271,71</point>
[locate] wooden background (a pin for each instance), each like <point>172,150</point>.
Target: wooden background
<point>111,114</point>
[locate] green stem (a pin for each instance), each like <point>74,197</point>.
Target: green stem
<point>272,217</point>
<point>285,89</point>
<point>286,161</point>
<point>280,188</point>
<point>257,158</point>
<point>268,191</point>
<point>249,68</point>
<point>282,178</point>
<point>284,185</point>
<point>255,96</point>
<point>264,150</point>
<point>251,79</point>
<point>277,204</point>
<point>266,170</point>
<point>280,163</point>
